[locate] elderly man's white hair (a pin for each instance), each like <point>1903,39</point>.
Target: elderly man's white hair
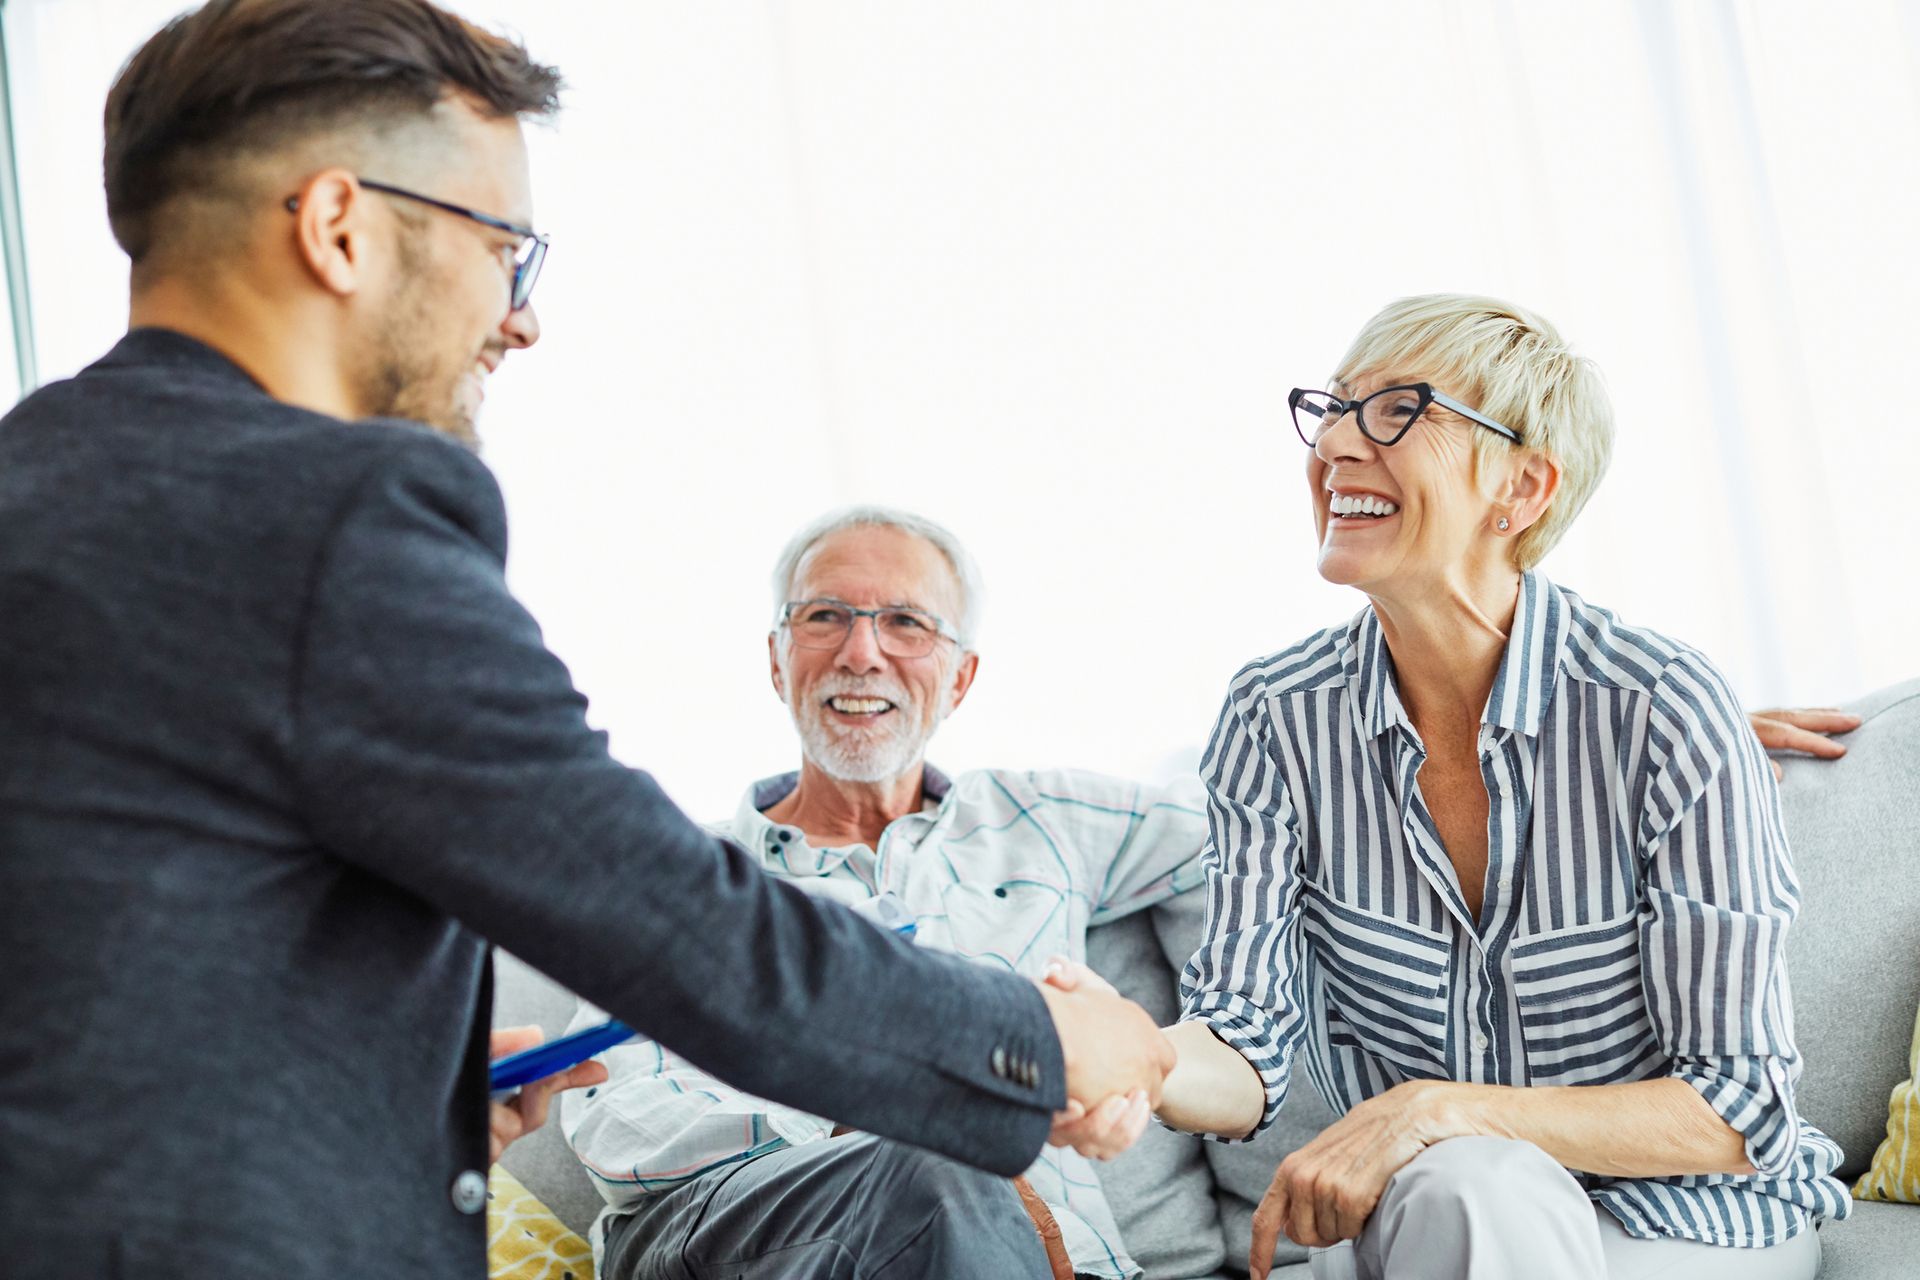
<point>965,572</point>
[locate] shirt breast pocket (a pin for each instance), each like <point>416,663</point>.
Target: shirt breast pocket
<point>1017,922</point>
<point>1383,983</point>
<point>1583,1004</point>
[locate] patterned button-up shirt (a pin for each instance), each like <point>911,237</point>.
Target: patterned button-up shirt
<point>1637,898</point>
<point>1006,867</point>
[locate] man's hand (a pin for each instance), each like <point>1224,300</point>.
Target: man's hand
<point>1116,1122</point>
<point>1116,1060</point>
<point>1804,730</point>
<point>527,1110</point>
<point>1324,1192</point>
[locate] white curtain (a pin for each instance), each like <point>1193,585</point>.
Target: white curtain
<point>1045,271</point>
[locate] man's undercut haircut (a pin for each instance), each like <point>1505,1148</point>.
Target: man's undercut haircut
<point>241,78</point>
<point>966,574</point>
<point>1514,367</point>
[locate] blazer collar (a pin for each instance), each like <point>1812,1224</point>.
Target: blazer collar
<point>150,347</point>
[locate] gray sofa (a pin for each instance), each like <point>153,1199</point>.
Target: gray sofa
<point>1186,1205</point>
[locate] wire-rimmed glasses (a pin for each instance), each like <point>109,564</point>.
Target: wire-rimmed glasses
<point>900,631</point>
<point>527,259</point>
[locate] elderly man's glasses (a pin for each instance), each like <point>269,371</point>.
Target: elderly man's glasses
<point>527,258</point>
<point>1385,416</point>
<point>900,632</point>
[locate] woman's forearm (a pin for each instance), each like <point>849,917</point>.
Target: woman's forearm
<point>1213,1088</point>
<point>1648,1129</point>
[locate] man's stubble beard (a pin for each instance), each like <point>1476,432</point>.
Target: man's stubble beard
<point>401,374</point>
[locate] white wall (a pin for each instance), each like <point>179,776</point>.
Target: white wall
<point>1046,270</point>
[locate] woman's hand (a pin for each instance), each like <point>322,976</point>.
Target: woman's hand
<point>1805,730</point>
<point>520,1115</point>
<point>1115,1123</point>
<point>1324,1192</point>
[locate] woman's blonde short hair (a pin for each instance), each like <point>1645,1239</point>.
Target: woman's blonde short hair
<point>1514,367</point>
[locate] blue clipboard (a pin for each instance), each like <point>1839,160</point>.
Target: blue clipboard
<point>543,1060</point>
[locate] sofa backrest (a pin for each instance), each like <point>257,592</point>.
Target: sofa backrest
<point>1854,953</point>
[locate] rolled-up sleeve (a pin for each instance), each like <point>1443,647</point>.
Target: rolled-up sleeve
<point>1245,981</point>
<point>1719,895</point>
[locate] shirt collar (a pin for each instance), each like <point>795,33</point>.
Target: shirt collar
<point>1531,664</point>
<point>1521,688</point>
<point>786,847</point>
<point>1370,671</point>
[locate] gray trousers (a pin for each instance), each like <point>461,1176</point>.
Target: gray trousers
<point>1492,1209</point>
<point>851,1208</point>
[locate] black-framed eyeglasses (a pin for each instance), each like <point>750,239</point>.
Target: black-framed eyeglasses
<point>527,258</point>
<point>1385,416</point>
<point>900,632</point>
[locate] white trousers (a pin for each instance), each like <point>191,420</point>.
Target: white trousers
<point>1494,1209</point>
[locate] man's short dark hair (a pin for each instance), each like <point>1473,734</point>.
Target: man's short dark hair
<point>249,76</point>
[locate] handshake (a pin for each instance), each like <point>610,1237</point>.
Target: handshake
<point>1117,1061</point>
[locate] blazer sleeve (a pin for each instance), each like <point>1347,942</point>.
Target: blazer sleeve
<point>440,746</point>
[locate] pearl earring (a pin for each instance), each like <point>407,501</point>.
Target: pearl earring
<point>1502,526</point>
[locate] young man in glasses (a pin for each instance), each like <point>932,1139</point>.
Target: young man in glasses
<point>872,648</point>
<point>279,752</point>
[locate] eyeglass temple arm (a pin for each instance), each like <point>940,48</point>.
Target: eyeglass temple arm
<point>1448,402</point>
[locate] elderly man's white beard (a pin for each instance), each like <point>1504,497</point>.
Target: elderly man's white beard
<point>878,752</point>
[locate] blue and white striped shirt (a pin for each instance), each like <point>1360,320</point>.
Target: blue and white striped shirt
<point>1637,898</point>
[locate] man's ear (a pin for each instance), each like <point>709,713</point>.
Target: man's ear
<point>963,674</point>
<point>778,676</point>
<point>1529,491</point>
<point>330,216</point>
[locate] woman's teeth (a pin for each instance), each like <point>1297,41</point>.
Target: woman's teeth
<point>1341,504</point>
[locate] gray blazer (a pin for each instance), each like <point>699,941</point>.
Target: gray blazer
<point>279,756</point>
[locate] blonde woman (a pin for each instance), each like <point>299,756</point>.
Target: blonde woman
<point>1504,875</point>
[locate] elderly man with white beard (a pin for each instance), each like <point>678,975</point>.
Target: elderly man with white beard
<point>871,649</point>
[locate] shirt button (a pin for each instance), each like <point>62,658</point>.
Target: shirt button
<point>1479,1039</point>
<point>1506,883</point>
<point>469,1192</point>
<point>999,1062</point>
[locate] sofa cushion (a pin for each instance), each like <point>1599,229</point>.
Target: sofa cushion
<point>1879,1242</point>
<point>1161,1190</point>
<point>1852,953</point>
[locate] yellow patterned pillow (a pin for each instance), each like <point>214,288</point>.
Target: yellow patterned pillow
<point>525,1241</point>
<point>1895,1174</point>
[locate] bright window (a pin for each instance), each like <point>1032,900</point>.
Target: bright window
<point>1045,270</point>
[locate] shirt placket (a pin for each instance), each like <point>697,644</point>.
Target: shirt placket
<point>1423,838</point>
<point>1499,1056</point>
<point>1486,1051</point>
